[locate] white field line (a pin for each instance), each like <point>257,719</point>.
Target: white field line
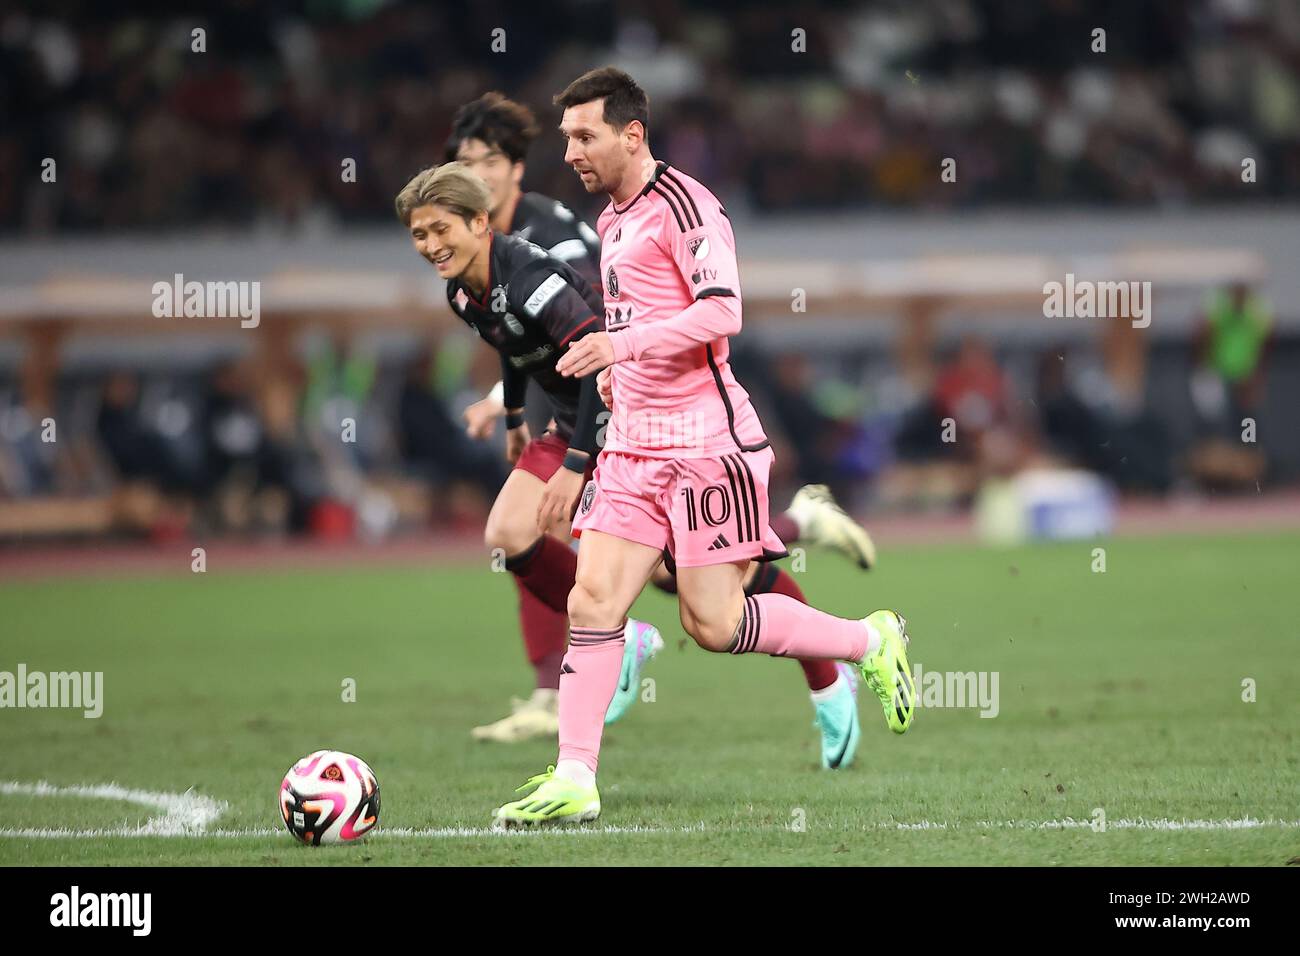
<point>182,813</point>
<point>1246,823</point>
<point>1141,823</point>
<point>189,814</point>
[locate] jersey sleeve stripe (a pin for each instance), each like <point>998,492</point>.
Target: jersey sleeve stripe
<point>568,249</point>
<point>543,294</point>
<point>687,193</point>
<point>681,201</point>
<point>715,290</point>
<point>565,341</point>
<point>672,204</point>
<point>667,187</point>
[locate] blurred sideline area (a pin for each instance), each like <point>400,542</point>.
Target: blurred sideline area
<point>896,340</point>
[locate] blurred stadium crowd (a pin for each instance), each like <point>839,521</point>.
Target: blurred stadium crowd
<point>152,135</point>
<point>237,448</point>
<point>249,135</point>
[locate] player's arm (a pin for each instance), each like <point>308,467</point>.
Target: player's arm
<point>568,319</point>
<point>712,316</point>
<point>590,409</point>
<point>514,384</point>
<point>547,298</point>
<point>481,417</point>
<point>706,260</point>
<point>560,497</point>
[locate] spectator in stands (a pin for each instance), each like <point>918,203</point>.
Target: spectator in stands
<point>1227,387</point>
<point>971,392</point>
<point>862,118</point>
<point>957,435</point>
<point>154,491</point>
<point>1232,348</point>
<point>1072,429</point>
<point>249,475</point>
<point>434,445</point>
<point>136,449</point>
<point>27,465</point>
<point>1125,441</point>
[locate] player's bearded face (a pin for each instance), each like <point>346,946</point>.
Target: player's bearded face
<point>595,150</point>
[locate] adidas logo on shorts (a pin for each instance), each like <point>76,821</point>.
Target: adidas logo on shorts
<point>719,543</point>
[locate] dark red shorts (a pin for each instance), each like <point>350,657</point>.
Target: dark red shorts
<point>544,456</point>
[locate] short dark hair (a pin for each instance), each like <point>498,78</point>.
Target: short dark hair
<point>499,122</point>
<point>624,100</point>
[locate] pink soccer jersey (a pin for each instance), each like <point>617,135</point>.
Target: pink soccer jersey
<point>672,297</point>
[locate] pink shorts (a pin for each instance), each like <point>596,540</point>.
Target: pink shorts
<point>701,511</point>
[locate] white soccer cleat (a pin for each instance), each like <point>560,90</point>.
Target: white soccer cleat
<point>538,716</point>
<point>823,522</point>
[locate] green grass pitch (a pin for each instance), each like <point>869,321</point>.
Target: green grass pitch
<point>1119,690</point>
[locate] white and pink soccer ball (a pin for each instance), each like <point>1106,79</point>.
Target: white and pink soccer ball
<point>330,797</point>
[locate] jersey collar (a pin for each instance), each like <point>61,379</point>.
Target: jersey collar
<point>659,171</point>
<point>515,224</point>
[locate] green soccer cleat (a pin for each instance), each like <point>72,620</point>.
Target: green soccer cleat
<point>641,642</point>
<point>888,673</point>
<point>838,720</point>
<point>555,801</point>
<point>822,521</point>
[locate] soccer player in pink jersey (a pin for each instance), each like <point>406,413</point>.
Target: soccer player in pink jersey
<point>491,136</point>
<point>685,461</point>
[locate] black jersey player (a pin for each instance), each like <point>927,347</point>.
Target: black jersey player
<point>529,306</point>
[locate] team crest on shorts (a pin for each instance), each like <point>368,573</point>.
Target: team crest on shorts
<point>588,496</point>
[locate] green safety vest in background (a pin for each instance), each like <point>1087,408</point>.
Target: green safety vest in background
<point>1237,335</point>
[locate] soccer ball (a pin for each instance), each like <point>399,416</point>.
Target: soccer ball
<point>329,797</point>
